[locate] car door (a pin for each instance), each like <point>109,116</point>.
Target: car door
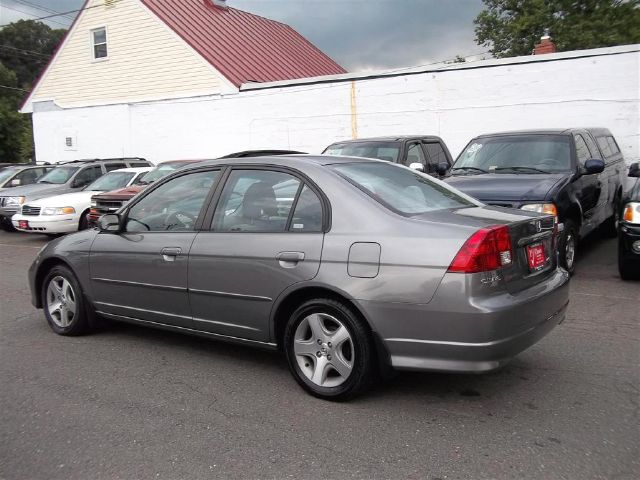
<point>266,234</point>
<point>589,186</point>
<point>603,203</point>
<point>141,272</point>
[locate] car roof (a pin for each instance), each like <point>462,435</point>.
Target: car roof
<point>172,162</point>
<point>133,169</point>
<point>390,138</point>
<point>293,161</point>
<point>547,131</point>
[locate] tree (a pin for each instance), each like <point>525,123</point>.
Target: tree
<point>514,27</point>
<point>25,47</point>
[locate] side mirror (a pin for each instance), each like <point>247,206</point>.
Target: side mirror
<point>634,170</point>
<point>593,165</point>
<point>417,166</point>
<point>109,222</point>
<point>16,182</point>
<point>442,169</point>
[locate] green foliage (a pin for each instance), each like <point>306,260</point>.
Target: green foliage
<point>25,47</point>
<point>514,27</point>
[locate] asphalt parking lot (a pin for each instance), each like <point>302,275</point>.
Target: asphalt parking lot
<point>130,402</point>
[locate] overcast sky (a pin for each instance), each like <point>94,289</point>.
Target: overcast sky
<point>358,34</point>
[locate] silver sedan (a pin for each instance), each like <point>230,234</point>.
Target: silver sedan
<point>349,266</point>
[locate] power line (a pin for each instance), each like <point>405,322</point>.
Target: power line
<point>21,50</point>
<point>29,13</point>
<point>46,17</point>
<point>41,7</point>
<point>15,88</point>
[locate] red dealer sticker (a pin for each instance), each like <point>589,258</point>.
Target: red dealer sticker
<point>24,224</point>
<point>536,256</point>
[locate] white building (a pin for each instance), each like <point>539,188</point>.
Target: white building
<point>162,91</point>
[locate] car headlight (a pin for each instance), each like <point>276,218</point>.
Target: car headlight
<point>631,212</point>
<point>58,210</point>
<point>14,201</point>
<point>548,208</point>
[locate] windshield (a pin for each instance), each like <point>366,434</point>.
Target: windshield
<point>388,151</point>
<point>111,181</point>
<point>59,175</point>
<point>7,173</point>
<point>515,153</point>
<point>400,189</point>
<point>159,172</point>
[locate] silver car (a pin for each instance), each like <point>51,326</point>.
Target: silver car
<point>347,265</point>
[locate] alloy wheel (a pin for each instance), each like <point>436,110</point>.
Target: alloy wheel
<point>61,301</point>
<point>323,349</point>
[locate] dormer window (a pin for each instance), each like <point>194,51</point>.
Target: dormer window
<point>99,43</point>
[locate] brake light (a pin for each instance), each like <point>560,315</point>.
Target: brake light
<point>487,249</point>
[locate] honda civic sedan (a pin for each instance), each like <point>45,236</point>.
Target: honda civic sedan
<point>349,266</point>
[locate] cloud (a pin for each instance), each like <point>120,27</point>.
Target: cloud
<point>358,34</point>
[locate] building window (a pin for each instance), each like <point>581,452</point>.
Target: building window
<point>99,42</point>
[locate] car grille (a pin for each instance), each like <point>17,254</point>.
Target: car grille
<point>30,211</point>
<point>108,206</point>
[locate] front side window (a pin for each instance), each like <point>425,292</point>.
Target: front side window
<point>534,154</point>
<point>388,151</point>
<point>256,201</point>
<point>605,148</point>
<point>401,190</point>
<point>173,206</point>
<point>28,176</point>
<point>582,151</point>
<point>436,155</point>
<point>59,175</point>
<point>415,155</point>
<point>6,174</point>
<point>99,43</point>
<point>111,181</point>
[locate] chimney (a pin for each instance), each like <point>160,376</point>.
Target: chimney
<point>220,4</point>
<point>545,45</point>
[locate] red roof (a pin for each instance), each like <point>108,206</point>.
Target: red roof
<point>242,46</point>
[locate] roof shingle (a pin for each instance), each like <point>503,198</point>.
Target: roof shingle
<point>242,46</point>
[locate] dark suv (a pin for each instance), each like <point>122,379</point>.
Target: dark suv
<point>425,153</point>
<point>575,174</point>
<point>64,178</point>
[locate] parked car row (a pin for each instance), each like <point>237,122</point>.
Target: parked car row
<point>352,266</point>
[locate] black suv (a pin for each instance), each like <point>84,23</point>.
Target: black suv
<point>64,178</point>
<point>425,153</point>
<point>575,174</point>
<point>629,228</point>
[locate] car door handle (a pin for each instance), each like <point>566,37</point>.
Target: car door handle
<point>169,254</point>
<point>288,259</point>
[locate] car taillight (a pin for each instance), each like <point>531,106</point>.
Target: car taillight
<point>487,249</point>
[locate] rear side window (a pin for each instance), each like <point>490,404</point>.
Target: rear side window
<point>138,164</point>
<point>307,216</point>
<point>605,148</point>
<point>114,166</point>
<point>613,145</point>
<point>400,189</point>
<point>388,151</point>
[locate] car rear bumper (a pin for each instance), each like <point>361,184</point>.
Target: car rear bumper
<point>469,334</point>
<point>53,224</point>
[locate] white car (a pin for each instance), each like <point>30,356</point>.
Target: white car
<point>68,212</point>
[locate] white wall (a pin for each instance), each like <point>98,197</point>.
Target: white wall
<point>597,88</point>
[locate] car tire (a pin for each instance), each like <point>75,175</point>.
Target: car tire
<point>629,270</point>
<point>332,370</point>
<point>6,225</point>
<point>63,302</point>
<point>610,225</point>
<point>84,221</point>
<point>567,247</point>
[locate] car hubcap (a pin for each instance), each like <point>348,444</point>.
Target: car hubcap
<point>570,250</point>
<point>324,350</point>
<point>61,301</point>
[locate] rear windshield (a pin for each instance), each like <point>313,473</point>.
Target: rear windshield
<point>400,189</point>
<point>59,175</point>
<point>111,181</point>
<point>388,151</point>
<point>516,153</point>
<point>159,172</point>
